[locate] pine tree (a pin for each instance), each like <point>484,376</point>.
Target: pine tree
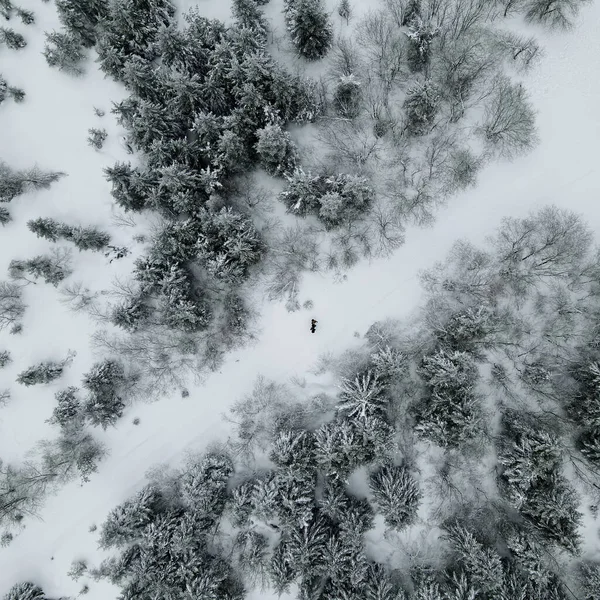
<point>14,183</point>
<point>411,12</point>
<point>128,186</point>
<point>25,591</point>
<point>45,228</point>
<point>310,28</point>
<point>51,268</point>
<point>5,358</point>
<point>126,522</point>
<point>44,372</point>
<point>67,409</point>
<point>421,106</point>
<point>421,36</point>
<point>64,51</point>
<point>4,216</point>
<point>204,484</point>
<point>104,405</point>
<point>27,17</point>
<point>276,151</point>
<point>362,398</point>
<point>589,573</point>
<point>97,137</point>
<point>347,96</point>
<point>396,495</point>
<point>82,17</point>
<point>345,10</point>
<point>12,39</point>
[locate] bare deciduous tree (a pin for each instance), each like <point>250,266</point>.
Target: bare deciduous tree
<point>12,307</point>
<point>509,120</point>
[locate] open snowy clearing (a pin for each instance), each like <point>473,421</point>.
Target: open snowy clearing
<point>50,129</point>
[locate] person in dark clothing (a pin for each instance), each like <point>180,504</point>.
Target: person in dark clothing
<point>313,325</point>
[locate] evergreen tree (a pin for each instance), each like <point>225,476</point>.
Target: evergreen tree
<point>309,27</point>
<point>411,12</point>
<point>362,398</point>
<point>276,151</point>
<point>45,227</point>
<point>25,591</point>
<point>97,137</point>
<point>347,97</point>
<point>128,186</point>
<point>126,522</point>
<point>51,268</point>
<point>204,484</point>
<point>14,183</point>
<point>44,372</point>
<point>82,17</point>
<point>589,573</point>
<point>229,244</point>
<point>12,39</point>
<point>67,409</point>
<point>4,216</point>
<point>27,17</point>
<point>5,358</point>
<point>64,51</point>
<point>396,495</point>
<point>421,106</point>
<point>421,36</point>
<point>104,405</point>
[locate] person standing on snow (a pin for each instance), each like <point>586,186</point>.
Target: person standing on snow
<point>313,325</point>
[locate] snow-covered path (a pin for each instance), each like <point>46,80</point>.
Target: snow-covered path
<point>563,170</point>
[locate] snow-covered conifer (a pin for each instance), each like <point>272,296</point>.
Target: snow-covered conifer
<point>104,405</point>
<point>25,591</point>
<point>204,484</point>
<point>421,106</point>
<point>44,372</point>
<point>126,522</point>
<point>97,137</point>
<point>396,495</point>
<point>68,407</point>
<point>81,18</point>
<point>64,51</point>
<point>276,151</point>
<point>309,27</point>
<point>12,39</point>
<point>347,96</point>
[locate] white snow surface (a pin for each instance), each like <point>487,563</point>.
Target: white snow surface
<point>50,130</point>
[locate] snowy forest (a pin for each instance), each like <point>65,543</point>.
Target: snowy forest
<point>236,152</point>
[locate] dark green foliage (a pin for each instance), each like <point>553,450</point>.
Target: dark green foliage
<point>421,106</point>
<point>131,29</point>
<point>589,573</point>
<point>247,14</point>
<point>52,269</point>
<point>81,18</point>
<point>25,591</point>
<point>104,405</point>
<point>450,413</point>
<point>228,244</point>
<point>4,216</point>
<point>85,238</point>
<point>5,358</point>
<point>128,186</point>
<point>335,200</point>
<point>421,36</point>
<point>44,372</point>
<point>309,27</point>
<point>531,461</point>
<point>12,39</point>
<point>396,495</point>
<point>131,314</point>
<point>347,97</point>
<point>64,51</point>
<point>204,483</point>
<point>275,149</point>
<point>68,408</point>
<point>97,137</point>
<point>14,183</point>
<point>27,17</point>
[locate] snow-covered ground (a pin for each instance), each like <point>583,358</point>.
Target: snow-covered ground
<point>50,129</point>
